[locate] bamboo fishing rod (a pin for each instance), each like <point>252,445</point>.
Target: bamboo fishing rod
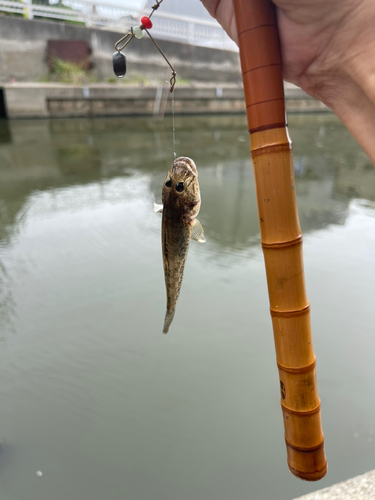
<point>281,236</point>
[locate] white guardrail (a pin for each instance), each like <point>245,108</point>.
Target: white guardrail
<point>109,16</point>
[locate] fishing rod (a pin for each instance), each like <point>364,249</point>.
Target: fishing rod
<point>281,237</point>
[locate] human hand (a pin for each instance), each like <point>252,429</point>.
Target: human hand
<point>328,49</point>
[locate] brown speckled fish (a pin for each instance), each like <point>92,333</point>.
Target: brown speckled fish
<point>181,204</point>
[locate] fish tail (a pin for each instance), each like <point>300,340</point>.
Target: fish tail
<point>169,315</point>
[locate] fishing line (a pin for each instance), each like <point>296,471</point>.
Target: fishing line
<point>119,59</point>
<point>173,129</point>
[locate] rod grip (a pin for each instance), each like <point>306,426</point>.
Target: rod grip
<point>261,64</point>
<point>281,236</point>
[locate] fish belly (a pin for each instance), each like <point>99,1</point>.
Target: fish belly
<point>175,245</point>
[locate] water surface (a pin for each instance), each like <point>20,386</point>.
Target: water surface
<point>92,394</point>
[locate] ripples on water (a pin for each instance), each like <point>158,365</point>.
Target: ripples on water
<point>92,394</point>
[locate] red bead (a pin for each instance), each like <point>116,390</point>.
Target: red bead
<point>146,22</point>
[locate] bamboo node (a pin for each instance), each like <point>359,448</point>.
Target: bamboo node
<point>277,148</point>
<point>302,369</point>
<point>256,27</point>
<point>263,102</point>
<point>283,244</point>
<point>310,476</point>
<point>290,314</point>
<point>301,413</point>
<point>306,450</point>
<point>261,67</point>
<point>263,128</point>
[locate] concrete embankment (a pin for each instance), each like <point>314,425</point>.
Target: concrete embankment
<point>357,488</point>
<point>34,100</point>
<point>23,61</point>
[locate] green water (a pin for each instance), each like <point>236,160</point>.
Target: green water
<point>92,394</point>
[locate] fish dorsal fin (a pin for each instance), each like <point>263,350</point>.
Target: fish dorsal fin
<point>197,232</point>
<point>158,209</point>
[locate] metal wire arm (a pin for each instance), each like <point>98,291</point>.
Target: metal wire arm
<point>129,37</point>
<point>172,81</point>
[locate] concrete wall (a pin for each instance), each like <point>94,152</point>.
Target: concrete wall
<point>358,488</point>
<point>23,53</point>
<point>32,100</point>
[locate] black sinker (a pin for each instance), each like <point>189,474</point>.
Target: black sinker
<point>119,64</point>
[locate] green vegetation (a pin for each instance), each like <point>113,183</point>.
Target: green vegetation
<point>60,4</point>
<point>68,72</point>
<point>16,14</point>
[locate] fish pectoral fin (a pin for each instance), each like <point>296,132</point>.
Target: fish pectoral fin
<point>158,209</point>
<point>197,232</point>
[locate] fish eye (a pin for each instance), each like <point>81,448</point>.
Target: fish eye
<point>168,183</point>
<point>180,186</point>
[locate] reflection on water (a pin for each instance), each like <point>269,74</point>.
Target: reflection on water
<point>330,169</point>
<point>90,390</point>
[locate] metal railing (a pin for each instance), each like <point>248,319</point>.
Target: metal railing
<point>110,16</point>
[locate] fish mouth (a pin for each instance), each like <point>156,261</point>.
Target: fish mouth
<point>186,163</point>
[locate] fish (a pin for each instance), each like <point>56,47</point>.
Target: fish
<point>181,204</point>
